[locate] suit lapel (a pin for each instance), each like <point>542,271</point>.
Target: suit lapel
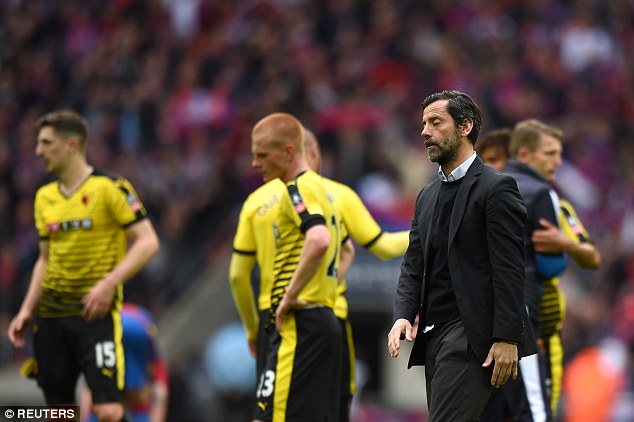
<point>461,198</point>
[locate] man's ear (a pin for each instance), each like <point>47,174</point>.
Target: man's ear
<point>465,128</point>
<point>289,151</point>
<point>73,143</point>
<point>522,154</point>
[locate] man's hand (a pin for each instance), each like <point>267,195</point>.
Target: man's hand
<point>401,328</point>
<point>504,355</point>
<point>98,300</point>
<point>253,348</point>
<point>286,306</point>
<point>549,239</point>
<point>18,327</point>
<point>415,327</point>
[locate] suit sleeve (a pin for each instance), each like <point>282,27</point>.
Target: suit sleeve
<point>505,221</point>
<point>410,282</point>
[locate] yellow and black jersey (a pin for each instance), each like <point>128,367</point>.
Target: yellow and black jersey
<point>358,222</point>
<point>305,203</point>
<point>256,233</point>
<point>86,236</point>
<point>553,305</point>
<point>364,229</point>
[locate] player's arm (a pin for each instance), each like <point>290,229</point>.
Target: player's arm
<point>240,270</point>
<point>23,319</point>
<point>551,240</point>
<point>390,245</point>
<point>315,247</point>
<point>345,261</point>
<point>586,255</point>
<point>143,245</point>
<point>366,231</point>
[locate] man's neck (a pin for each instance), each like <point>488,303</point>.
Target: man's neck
<point>295,170</point>
<point>462,156</point>
<point>73,176</point>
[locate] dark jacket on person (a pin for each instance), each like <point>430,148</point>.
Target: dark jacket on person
<point>485,259</point>
<point>541,202</point>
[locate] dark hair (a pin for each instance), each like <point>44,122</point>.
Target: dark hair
<point>461,108</point>
<point>496,138</point>
<point>65,123</point>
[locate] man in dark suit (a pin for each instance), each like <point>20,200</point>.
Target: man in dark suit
<point>463,271</point>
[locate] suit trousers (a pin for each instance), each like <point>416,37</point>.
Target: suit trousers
<point>458,387</point>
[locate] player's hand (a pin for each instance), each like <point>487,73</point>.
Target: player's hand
<point>253,348</point>
<point>549,239</point>
<point>504,355</point>
<point>401,329</point>
<point>18,327</point>
<point>286,306</point>
<point>98,300</point>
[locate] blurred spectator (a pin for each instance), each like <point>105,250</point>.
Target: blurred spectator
<point>171,89</point>
<point>599,380</point>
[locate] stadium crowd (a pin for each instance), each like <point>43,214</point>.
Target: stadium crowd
<point>172,88</point>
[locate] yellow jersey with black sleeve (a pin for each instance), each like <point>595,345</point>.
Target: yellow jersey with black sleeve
<point>553,305</point>
<point>255,236</point>
<point>86,236</point>
<point>256,233</point>
<point>304,204</point>
<point>364,229</point>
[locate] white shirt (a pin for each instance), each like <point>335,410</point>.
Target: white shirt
<point>459,172</point>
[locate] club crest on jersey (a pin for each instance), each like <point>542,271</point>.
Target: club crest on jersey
<point>134,203</point>
<point>298,202</point>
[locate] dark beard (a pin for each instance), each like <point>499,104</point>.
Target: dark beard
<point>447,150</point>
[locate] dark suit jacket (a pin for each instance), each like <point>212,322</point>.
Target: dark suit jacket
<point>486,262</point>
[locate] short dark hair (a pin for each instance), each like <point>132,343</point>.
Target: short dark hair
<point>461,108</point>
<point>496,138</point>
<point>65,123</point>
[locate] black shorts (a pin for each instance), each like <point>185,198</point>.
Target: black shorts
<point>262,343</point>
<point>348,384</point>
<point>301,379</point>
<point>67,346</point>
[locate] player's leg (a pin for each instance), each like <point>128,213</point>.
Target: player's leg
<point>267,374</point>
<point>301,379</point>
<point>56,368</point>
<point>556,352</point>
<point>534,378</point>
<point>103,364</point>
<point>313,387</point>
<point>262,343</point>
<point>348,383</point>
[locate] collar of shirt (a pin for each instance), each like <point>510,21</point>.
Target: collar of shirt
<point>459,171</point>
